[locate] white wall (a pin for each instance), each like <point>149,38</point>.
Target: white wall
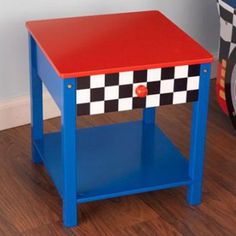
<point>197,17</point>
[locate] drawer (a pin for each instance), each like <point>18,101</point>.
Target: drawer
<point>129,90</point>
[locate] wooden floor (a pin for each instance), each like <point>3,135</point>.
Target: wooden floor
<point>30,205</point>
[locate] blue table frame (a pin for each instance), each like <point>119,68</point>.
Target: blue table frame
<point>154,162</point>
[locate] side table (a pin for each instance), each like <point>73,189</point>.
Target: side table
<point>108,63</point>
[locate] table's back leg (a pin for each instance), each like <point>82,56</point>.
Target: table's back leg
<point>149,115</point>
<point>69,154</point>
<point>198,137</point>
<point>36,101</point>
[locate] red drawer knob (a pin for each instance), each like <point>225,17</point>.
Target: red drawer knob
<point>141,91</point>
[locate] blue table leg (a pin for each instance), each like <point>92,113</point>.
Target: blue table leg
<point>149,115</point>
<point>36,101</point>
<point>198,136</point>
<point>68,119</point>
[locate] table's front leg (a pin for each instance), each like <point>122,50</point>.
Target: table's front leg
<point>198,137</point>
<point>68,123</point>
<point>36,102</point>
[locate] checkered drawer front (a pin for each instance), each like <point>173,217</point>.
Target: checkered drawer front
<point>116,92</point>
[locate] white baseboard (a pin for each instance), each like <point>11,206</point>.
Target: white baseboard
<point>16,111</point>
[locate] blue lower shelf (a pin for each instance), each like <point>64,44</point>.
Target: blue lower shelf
<point>118,160</point>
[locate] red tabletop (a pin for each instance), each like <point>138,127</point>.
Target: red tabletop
<point>102,44</point>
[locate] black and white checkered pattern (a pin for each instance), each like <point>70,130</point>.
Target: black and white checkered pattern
<point>227,28</point>
<point>116,92</point>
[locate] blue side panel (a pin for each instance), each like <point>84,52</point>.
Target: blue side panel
<point>49,77</point>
